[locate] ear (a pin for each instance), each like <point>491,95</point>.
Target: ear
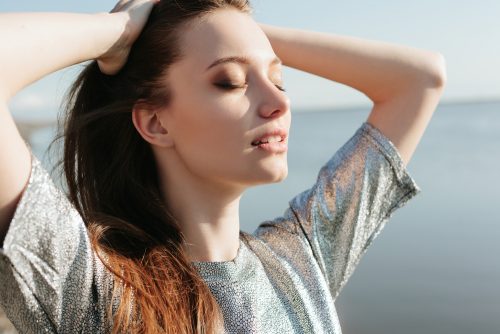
<point>149,125</point>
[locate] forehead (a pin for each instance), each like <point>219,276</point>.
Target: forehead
<point>224,33</point>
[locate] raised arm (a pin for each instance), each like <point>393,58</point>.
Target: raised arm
<point>37,44</point>
<point>404,83</point>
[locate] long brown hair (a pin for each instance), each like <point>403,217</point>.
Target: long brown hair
<point>112,181</point>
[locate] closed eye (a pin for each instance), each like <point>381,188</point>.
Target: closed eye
<point>230,86</point>
<point>281,88</point>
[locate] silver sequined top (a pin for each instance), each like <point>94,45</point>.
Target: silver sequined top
<point>284,279</point>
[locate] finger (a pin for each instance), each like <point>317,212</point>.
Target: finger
<point>123,4</point>
<point>119,5</point>
<point>112,66</point>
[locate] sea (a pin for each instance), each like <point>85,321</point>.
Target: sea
<point>435,267</point>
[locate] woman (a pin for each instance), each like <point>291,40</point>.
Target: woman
<point>181,111</point>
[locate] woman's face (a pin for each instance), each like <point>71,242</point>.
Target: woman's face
<point>225,96</point>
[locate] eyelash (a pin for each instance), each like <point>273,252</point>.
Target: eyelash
<point>228,86</point>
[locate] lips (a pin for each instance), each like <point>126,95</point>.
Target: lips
<point>273,136</point>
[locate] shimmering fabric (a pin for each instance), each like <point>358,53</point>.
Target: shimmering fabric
<point>284,279</point>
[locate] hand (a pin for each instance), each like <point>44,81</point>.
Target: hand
<point>135,14</point>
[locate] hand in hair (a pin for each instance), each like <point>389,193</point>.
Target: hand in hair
<point>135,13</point>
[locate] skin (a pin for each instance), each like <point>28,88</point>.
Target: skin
<point>201,140</point>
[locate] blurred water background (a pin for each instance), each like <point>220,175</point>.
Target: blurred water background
<point>435,267</point>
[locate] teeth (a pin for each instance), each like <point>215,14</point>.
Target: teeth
<point>272,139</point>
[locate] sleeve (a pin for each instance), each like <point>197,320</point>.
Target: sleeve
<point>47,265</point>
<point>355,194</point>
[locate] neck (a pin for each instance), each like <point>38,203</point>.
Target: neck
<point>207,213</point>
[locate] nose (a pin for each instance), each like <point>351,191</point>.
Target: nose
<point>274,102</point>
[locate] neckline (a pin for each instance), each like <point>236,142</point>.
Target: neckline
<point>232,270</point>
<point>238,254</point>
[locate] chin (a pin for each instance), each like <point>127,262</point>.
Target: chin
<point>281,177</point>
<point>273,176</point>
<point>264,172</point>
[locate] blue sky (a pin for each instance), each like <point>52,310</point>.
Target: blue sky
<point>465,32</point>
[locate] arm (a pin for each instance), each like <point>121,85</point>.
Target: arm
<point>404,83</point>
<point>338,218</point>
<point>38,44</point>
<point>52,281</point>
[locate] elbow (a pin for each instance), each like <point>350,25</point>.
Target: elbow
<point>428,73</point>
<point>435,75</point>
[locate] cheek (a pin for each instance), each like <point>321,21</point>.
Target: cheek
<point>213,126</point>
<point>209,137</point>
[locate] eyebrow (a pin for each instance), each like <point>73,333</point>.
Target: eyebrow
<point>240,60</point>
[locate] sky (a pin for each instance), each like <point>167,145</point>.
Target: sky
<point>465,32</point>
